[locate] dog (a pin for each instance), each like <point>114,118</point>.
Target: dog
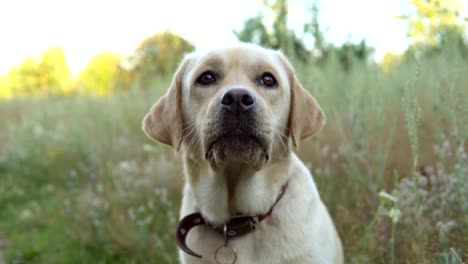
<point>236,114</point>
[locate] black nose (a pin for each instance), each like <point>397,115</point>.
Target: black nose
<point>238,100</point>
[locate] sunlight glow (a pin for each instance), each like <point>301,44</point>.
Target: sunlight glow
<point>85,28</point>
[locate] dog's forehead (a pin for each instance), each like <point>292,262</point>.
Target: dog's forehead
<point>242,55</point>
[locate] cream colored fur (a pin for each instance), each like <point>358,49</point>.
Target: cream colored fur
<point>300,229</point>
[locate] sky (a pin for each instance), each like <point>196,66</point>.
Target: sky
<point>85,28</point>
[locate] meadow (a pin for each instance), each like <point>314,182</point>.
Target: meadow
<point>81,183</point>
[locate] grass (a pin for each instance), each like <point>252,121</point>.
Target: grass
<point>80,183</point>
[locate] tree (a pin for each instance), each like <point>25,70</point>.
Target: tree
<point>280,35</point>
<point>159,55</point>
<point>5,91</point>
<point>101,76</point>
<point>390,61</point>
<point>348,53</point>
<point>41,75</point>
<point>315,30</point>
<point>254,31</point>
<point>432,20</point>
<point>54,63</point>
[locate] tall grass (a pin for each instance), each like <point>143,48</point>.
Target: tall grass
<point>80,183</point>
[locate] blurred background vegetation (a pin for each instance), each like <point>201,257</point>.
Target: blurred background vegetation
<point>80,183</point>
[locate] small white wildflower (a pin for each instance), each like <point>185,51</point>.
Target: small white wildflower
<point>125,165</point>
<point>124,141</point>
<point>141,209</point>
<point>433,179</point>
<point>99,188</point>
<point>131,213</point>
<point>18,191</point>
<point>96,202</point>
<point>394,214</point>
<point>38,130</point>
<point>72,174</point>
<point>430,170</point>
<point>164,198</point>
<point>447,147</point>
<point>445,228</point>
<point>150,204</point>
<point>461,150</point>
<point>96,222</point>
<point>148,148</point>
<point>25,214</point>
<point>148,219</point>
<point>105,204</point>
<point>68,206</point>
<point>435,147</point>
<point>172,217</point>
<point>334,156</point>
<point>318,171</point>
<point>386,197</point>
<point>35,206</point>
<point>49,188</point>
<point>317,53</point>
<point>422,181</point>
<point>324,151</point>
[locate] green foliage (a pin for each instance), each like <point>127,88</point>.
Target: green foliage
<point>432,19</point>
<point>348,54</point>
<point>450,39</point>
<point>254,31</point>
<point>159,55</point>
<point>279,37</point>
<point>48,74</point>
<point>102,75</point>
<point>42,75</point>
<point>68,182</point>
<point>315,29</point>
<point>5,91</point>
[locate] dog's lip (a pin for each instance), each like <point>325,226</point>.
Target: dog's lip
<point>237,132</point>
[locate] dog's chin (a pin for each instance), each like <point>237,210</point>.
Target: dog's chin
<point>237,149</point>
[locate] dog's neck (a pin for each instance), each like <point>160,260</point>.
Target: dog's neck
<point>234,173</point>
<point>236,189</point>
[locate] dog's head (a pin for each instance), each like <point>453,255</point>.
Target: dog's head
<point>242,104</point>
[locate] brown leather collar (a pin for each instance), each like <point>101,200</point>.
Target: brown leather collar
<point>235,227</point>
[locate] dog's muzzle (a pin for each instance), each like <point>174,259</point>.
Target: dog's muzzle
<point>239,134</point>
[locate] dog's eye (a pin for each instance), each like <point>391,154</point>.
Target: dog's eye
<point>268,80</point>
<point>206,78</point>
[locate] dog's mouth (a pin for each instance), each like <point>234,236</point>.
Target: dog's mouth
<point>238,146</point>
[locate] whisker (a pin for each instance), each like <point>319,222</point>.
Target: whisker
<point>280,125</point>
<point>194,141</point>
<point>280,136</point>
<point>189,125</point>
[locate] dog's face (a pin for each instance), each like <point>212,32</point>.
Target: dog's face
<point>239,105</point>
<point>239,100</point>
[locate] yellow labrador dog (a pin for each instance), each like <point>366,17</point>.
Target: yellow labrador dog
<point>236,114</point>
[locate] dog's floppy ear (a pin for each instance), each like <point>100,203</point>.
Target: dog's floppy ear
<point>306,117</point>
<point>164,120</point>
